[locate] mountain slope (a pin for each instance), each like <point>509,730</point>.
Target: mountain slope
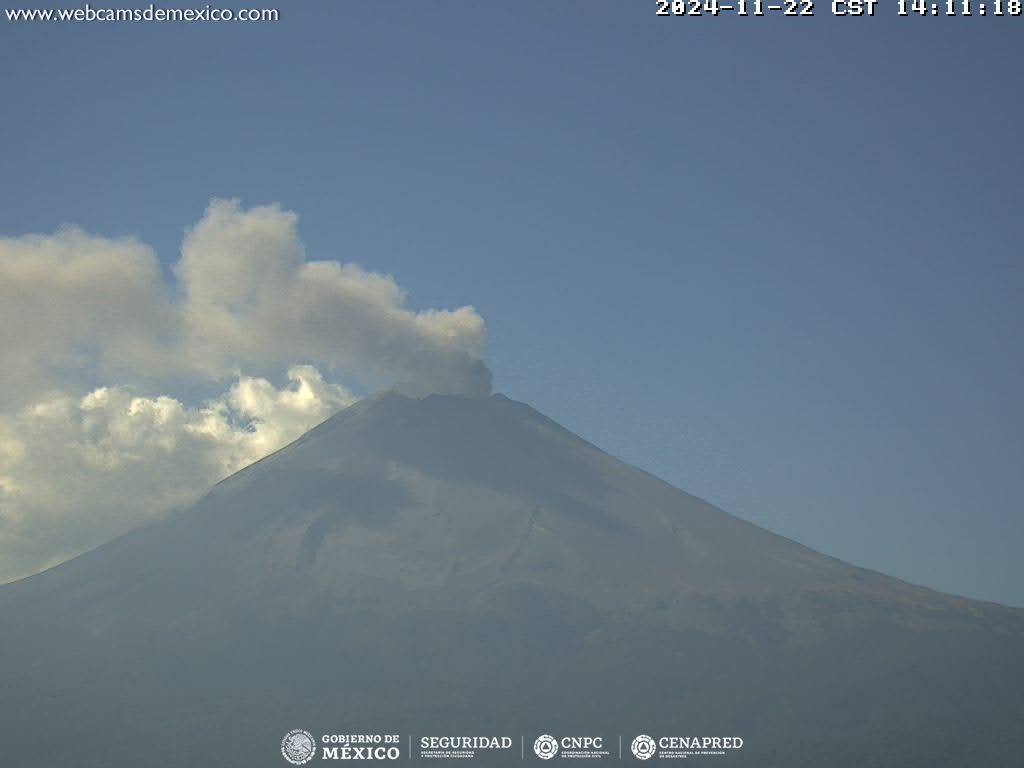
<point>466,565</point>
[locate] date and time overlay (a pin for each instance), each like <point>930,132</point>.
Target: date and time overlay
<point>838,7</point>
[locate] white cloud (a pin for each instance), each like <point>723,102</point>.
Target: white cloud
<point>76,471</point>
<point>91,333</point>
<point>251,299</point>
<point>77,308</point>
<point>71,303</point>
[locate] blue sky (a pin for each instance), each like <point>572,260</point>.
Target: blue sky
<point>776,261</point>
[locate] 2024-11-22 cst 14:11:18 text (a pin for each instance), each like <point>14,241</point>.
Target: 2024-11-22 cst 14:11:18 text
<point>843,8</point>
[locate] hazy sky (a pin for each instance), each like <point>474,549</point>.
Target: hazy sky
<point>777,261</point>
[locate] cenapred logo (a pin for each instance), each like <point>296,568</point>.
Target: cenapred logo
<point>644,747</point>
<point>546,747</point>
<point>298,746</point>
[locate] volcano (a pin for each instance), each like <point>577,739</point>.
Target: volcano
<point>456,565</point>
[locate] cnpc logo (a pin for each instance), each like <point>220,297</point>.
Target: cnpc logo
<point>548,746</point>
<point>545,746</point>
